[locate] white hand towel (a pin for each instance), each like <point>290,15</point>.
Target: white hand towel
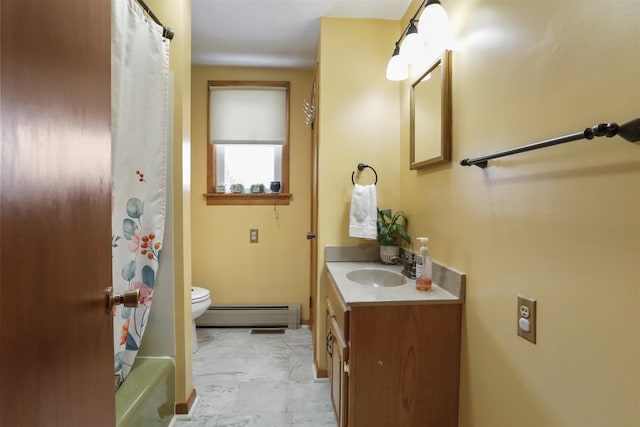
<point>364,212</point>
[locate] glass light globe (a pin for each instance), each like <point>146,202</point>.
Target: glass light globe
<point>397,68</point>
<point>411,47</point>
<point>433,26</point>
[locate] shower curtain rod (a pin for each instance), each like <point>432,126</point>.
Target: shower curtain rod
<point>166,31</point>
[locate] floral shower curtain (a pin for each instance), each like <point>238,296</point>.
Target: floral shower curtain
<point>139,103</point>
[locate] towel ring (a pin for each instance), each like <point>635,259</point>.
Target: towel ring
<point>361,167</point>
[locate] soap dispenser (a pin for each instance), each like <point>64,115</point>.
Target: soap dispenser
<point>423,266</point>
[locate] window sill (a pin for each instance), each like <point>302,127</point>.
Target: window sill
<point>248,199</point>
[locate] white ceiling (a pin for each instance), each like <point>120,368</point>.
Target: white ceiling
<point>272,33</point>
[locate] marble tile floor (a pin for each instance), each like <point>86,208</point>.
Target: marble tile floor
<point>257,380</point>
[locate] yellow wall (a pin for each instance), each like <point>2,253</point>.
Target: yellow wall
<point>275,270</point>
<point>358,123</point>
<point>177,15</point>
<point>560,225</point>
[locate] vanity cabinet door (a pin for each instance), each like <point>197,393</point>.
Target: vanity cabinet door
<point>329,344</point>
<point>337,356</point>
<point>404,365</point>
<point>339,376</point>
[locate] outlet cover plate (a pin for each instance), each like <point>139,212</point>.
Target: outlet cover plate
<point>527,311</point>
<point>253,235</point>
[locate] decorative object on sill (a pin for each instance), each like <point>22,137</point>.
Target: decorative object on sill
<point>274,186</point>
<point>361,167</point>
<point>414,44</point>
<point>237,188</point>
<point>257,188</point>
<point>629,131</point>
<point>390,228</point>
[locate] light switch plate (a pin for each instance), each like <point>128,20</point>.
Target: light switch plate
<point>526,316</point>
<point>253,235</point>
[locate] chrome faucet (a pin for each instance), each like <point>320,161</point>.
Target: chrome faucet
<point>409,264</point>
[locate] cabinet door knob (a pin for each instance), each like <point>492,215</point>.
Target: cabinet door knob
<point>380,363</point>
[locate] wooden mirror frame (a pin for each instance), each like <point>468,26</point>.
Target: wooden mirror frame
<point>445,120</point>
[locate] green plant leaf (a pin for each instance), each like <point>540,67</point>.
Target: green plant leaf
<point>390,226</point>
<point>384,215</point>
<point>404,235</point>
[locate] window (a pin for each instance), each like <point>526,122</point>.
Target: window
<point>248,142</point>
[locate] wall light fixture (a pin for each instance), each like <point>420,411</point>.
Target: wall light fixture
<point>431,35</point>
<point>398,67</point>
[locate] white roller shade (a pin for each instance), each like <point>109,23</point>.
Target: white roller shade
<point>248,115</point>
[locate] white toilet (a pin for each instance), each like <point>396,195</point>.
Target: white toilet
<point>200,302</point>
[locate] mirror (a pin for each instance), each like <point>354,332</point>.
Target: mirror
<point>430,115</point>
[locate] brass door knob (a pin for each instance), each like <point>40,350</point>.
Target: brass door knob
<point>128,299</point>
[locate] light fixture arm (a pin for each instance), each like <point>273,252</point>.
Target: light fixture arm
<point>415,19</point>
<point>396,50</point>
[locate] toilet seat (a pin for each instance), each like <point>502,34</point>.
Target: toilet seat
<point>199,294</point>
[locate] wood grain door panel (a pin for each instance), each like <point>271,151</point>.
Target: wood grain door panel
<point>406,370</point>
<point>56,354</point>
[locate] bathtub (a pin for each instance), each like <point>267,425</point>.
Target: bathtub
<point>147,396</point>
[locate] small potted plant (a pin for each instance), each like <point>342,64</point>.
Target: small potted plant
<point>391,228</point>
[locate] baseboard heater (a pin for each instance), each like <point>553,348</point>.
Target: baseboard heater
<point>251,315</point>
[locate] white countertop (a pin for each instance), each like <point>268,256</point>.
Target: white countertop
<point>356,294</point>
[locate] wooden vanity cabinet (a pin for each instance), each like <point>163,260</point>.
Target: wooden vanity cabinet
<point>403,363</point>
<point>337,356</point>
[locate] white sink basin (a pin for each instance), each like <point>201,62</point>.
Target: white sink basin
<point>376,277</point>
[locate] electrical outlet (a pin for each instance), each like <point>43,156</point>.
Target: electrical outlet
<point>527,318</point>
<point>253,235</point>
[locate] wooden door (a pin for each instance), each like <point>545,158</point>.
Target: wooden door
<point>56,336</point>
<point>313,226</point>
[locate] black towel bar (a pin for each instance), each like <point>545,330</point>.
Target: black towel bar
<point>630,131</point>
